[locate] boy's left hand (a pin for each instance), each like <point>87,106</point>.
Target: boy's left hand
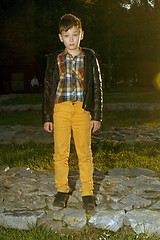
<point>95,125</point>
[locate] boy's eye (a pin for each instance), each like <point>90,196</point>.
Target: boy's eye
<point>65,35</point>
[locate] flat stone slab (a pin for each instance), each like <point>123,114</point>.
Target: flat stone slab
<point>144,221</point>
<point>119,172</point>
<point>135,201</point>
<point>75,218</point>
<point>156,206</point>
<point>110,220</point>
<point>19,218</point>
<point>144,172</point>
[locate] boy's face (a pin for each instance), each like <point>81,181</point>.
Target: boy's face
<point>71,38</point>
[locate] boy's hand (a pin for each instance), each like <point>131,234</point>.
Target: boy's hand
<point>48,126</point>
<point>95,125</point>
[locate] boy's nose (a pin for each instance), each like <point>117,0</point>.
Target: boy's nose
<point>71,39</point>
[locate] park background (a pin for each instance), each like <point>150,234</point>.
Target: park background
<point>124,33</point>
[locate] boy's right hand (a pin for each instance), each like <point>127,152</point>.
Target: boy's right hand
<point>48,126</point>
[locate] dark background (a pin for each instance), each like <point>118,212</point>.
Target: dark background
<point>126,40</point>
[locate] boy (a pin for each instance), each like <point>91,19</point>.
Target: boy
<point>72,101</point>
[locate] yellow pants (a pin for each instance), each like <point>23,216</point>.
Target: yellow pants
<point>67,116</point>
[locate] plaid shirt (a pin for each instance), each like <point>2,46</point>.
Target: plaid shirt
<point>71,84</point>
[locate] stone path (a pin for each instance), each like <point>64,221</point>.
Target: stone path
<point>123,197</point>
<point>22,134</point>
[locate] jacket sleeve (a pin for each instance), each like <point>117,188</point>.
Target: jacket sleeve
<point>97,91</point>
<point>49,89</point>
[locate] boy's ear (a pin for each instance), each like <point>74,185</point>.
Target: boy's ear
<point>60,37</point>
<point>82,35</point>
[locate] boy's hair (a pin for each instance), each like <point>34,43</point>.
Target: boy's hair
<point>68,21</point>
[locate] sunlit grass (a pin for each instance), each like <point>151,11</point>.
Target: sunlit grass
<point>35,234</point>
<point>107,155</point>
<point>30,155</point>
<point>38,233</point>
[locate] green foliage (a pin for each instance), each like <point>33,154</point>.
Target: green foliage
<point>126,40</point>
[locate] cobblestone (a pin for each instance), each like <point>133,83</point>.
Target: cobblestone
<point>27,195</point>
<point>23,134</point>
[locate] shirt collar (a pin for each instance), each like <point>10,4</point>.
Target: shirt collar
<point>65,52</point>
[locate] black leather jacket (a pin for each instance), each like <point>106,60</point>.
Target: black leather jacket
<point>93,95</point>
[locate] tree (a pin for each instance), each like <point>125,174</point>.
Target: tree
<point>124,34</point>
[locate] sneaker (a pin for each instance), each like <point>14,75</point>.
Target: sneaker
<point>89,202</point>
<point>61,199</point>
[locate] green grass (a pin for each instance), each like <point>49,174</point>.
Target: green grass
<point>137,95</point>
<point>25,118</point>
<point>38,233</point>
<point>107,154</point>
<point>35,234</point>
<point>31,155</point>
<point>128,96</point>
<point>131,118</point>
<point>35,98</point>
<point>126,118</point>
